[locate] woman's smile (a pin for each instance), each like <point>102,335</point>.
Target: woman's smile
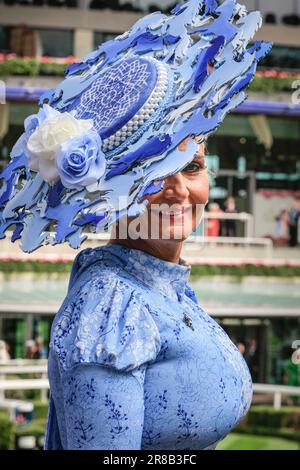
<point>173,214</point>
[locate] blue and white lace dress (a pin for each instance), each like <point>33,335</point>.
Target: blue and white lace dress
<point>125,370</point>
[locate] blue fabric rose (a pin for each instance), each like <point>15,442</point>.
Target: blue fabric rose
<point>80,161</point>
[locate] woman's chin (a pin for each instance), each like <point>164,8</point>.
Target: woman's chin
<point>177,233</point>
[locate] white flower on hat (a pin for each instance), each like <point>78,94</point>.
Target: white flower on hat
<point>44,142</point>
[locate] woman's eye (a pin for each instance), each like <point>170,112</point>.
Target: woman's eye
<point>194,167</point>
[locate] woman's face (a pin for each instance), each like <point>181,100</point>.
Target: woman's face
<point>174,212</point>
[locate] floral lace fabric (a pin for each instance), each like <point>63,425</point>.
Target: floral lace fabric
<point>125,370</point>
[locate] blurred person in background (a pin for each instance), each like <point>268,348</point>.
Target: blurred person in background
<point>30,349</point>
<point>291,377</point>
<point>4,354</point>
<point>293,224</point>
<point>282,228</point>
<point>229,226</point>
<point>241,347</point>
<point>213,224</point>
<point>41,351</point>
<point>251,357</point>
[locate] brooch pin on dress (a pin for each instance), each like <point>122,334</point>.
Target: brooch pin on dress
<point>188,321</point>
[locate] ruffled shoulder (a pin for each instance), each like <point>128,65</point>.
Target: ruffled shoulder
<point>105,322</point>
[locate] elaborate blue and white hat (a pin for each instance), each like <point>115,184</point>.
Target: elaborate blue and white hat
<point>108,134</point>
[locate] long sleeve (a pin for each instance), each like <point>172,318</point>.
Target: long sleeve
<point>102,341</point>
<point>104,408</point>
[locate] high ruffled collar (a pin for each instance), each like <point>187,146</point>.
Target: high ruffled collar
<point>167,277</point>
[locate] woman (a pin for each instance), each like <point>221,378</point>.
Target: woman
<point>134,362</point>
<point>230,224</point>
<point>143,366</point>
<point>213,224</point>
<point>4,354</point>
<point>282,228</point>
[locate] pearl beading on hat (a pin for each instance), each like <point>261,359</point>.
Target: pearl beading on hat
<point>147,110</point>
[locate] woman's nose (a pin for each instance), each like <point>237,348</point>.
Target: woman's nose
<point>175,187</point>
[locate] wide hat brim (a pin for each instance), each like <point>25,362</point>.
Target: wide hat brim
<point>203,46</point>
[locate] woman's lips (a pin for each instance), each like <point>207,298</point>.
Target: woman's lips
<point>172,214</point>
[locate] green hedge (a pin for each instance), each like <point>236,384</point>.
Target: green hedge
<point>6,432</point>
<point>36,428</point>
<point>8,267</point>
<point>9,432</point>
<point>272,84</point>
<point>29,395</point>
<point>40,410</point>
<point>245,270</point>
<point>265,421</point>
<point>30,67</point>
<point>284,433</point>
<point>11,267</point>
<point>286,417</point>
<point>33,67</point>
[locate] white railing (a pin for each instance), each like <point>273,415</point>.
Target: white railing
<point>277,390</point>
<point>245,241</point>
<point>40,383</point>
<point>244,217</point>
<point>12,405</point>
<point>23,362</point>
<point>25,384</point>
<point>24,369</point>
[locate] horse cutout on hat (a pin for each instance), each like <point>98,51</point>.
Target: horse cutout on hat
<point>107,136</point>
